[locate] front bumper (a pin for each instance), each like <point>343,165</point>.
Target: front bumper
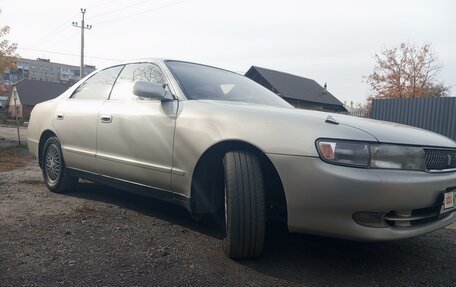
<point>323,198</point>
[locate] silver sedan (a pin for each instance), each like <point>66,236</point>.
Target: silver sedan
<point>223,146</point>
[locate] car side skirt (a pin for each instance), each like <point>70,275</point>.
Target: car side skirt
<point>136,188</point>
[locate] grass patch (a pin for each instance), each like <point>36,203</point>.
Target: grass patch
<point>84,208</point>
<point>14,156</point>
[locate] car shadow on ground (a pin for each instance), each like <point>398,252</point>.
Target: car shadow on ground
<point>148,206</point>
<point>427,260</point>
<point>316,260</point>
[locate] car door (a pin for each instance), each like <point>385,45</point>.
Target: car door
<point>135,135</point>
<point>76,119</point>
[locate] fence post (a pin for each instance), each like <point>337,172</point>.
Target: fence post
<point>16,108</point>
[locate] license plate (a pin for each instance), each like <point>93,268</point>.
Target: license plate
<point>448,200</point>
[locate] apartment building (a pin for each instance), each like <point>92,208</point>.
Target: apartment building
<point>44,70</point>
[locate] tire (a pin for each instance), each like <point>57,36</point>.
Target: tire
<point>55,174</point>
<point>245,217</point>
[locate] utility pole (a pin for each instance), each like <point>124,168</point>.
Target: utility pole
<point>83,26</point>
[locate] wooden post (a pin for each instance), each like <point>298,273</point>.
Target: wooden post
<point>17,118</point>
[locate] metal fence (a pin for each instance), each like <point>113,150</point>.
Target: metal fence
<point>434,114</point>
<point>356,113</point>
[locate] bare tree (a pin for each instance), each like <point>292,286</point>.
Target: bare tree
<point>149,73</point>
<point>406,71</point>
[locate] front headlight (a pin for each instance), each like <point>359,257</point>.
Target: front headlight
<point>397,157</point>
<point>371,155</point>
<point>344,152</point>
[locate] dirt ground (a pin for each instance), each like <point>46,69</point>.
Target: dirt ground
<point>97,236</point>
<point>9,133</point>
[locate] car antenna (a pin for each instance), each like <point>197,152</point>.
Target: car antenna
<point>331,120</point>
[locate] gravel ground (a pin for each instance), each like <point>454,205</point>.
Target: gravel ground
<point>97,236</point>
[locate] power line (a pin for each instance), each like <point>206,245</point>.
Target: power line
<point>66,39</point>
<point>140,13</point>
<point>119,9</point>
<point>65,25</point>
<point>59,30</point>
<point>102,4</point>
<point>50,37</point>
<point>54,38</point>
<point>68,54</point>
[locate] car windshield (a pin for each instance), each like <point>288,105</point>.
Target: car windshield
<point>201,82</point>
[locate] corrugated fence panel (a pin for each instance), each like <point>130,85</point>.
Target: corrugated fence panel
<point>434,114</point>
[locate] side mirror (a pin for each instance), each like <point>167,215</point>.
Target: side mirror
<point>149,90</point>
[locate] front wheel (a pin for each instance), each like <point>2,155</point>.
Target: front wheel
<point>55,174</point>
<point>245,218</point>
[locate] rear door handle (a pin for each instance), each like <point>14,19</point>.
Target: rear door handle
<point>60,116</point>
<point>106,118</point>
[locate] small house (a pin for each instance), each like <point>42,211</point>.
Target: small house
<point>27,93</point>
<point>300,92</point>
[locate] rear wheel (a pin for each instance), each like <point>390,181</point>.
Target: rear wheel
<point>245,218</point>
<point>55,174</point>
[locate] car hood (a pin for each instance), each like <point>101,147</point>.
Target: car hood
<point>385,132</point>
<point>388,132</point>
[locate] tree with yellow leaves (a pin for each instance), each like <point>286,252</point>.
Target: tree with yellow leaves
<point>8,56</point>
<point>406,71</point>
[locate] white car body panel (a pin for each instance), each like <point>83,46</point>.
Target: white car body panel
<point>158,145</point>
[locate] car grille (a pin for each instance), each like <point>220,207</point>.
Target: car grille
<point>440,159</point>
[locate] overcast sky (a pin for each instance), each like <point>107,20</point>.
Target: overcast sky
<point>328,41</point>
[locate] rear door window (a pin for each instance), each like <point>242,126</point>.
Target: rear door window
<point>99,86</point>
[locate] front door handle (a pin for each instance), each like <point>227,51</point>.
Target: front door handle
<point>106,118</point>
